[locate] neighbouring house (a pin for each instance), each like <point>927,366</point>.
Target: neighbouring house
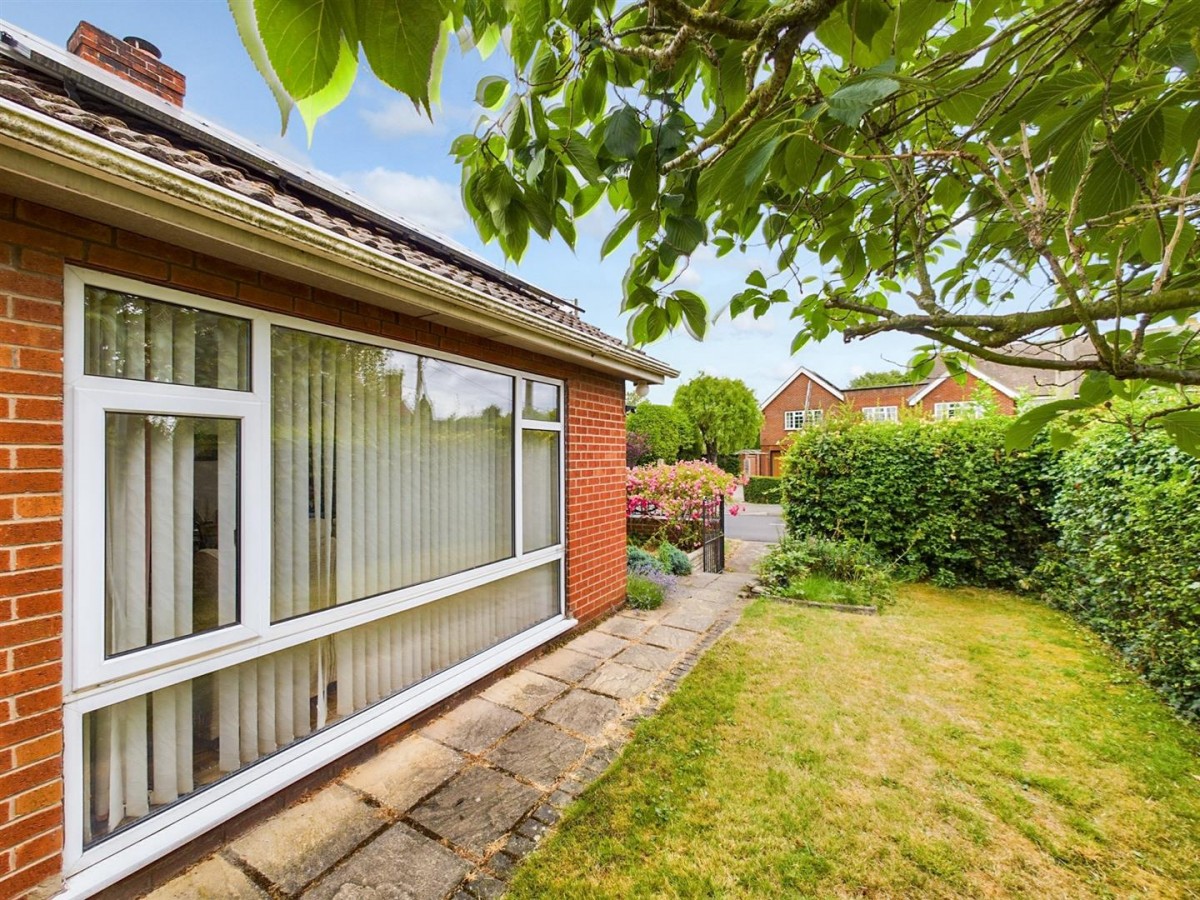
<point>279,471</point>
<point>806,398</point>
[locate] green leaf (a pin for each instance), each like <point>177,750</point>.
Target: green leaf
<point>581,156</point>
<point>313,107</point>
<point>623,133</point>
<point>852,101</point>
<point>757,279</point>
<point>303,40</point>
<point>491,91</point>
<point>618,234</point>
<point>247,28</point>
<point>1095,388</point>
<point>400,39</point>
<point>695,313</point>
<point>684,233</point>
<point>1021,433</point>
<point>1183,428</point>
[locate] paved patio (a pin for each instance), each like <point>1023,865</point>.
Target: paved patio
<point>448,811</point>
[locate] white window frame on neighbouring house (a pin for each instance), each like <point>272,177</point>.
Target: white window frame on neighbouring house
<point>796,419</point>
<point>881,413</point>
<point>957,409</point>
<point>96,681</point>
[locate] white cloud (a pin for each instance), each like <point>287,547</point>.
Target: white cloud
<point>399,118</point>
<point>424,200</point>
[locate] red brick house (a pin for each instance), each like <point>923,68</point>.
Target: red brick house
<point>277,471</point>
<point>806,398</point>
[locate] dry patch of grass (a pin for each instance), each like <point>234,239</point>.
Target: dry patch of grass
<point>968,744</point>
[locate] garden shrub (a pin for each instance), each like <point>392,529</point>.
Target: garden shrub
<point>642,593</point>
<point>674,560</point>
<point>669,499</point>
<point>862,576</point>
<point>763,489</point>
<point>940,500</point>
<point>1127,562</point>
<point>636,557</point>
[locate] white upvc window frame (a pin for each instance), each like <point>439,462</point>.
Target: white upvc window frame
<point>92,681</point>
<point>956,409</point>
<point>798,419</point>
<point>881,413</point>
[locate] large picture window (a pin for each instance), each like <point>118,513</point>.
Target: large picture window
<point>303,532</point>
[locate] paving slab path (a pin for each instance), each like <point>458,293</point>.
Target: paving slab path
<point>449,811</point>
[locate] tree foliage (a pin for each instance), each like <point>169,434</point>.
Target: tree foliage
<point>666,429</point>
<point>724,411</point>
<point>881,379</point>
<point>984,175</point>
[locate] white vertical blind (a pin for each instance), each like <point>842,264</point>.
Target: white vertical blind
<point>539,489</point>
<point>390,469</point>
<point>142,753</point>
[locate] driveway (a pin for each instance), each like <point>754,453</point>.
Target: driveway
<point>755,522</point>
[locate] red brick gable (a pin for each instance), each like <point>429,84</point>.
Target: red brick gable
<point>803,392</point>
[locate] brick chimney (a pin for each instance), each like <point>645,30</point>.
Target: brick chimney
<point>134,59</point>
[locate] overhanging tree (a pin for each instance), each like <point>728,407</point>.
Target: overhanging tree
<point>724,411</point>
<point>985,175</point>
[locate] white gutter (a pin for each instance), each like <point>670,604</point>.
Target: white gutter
<point>37,147</point>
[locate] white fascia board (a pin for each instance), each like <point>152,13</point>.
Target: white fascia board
<point>34,145</point>
<point>813,376</point>
<point>924,392</point>
<point>991,382</point>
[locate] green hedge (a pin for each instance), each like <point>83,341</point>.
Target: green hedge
<point>763,489</point>
<point>940,500</point>
<point>1128,559</point>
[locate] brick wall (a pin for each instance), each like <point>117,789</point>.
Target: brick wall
<point>596,496</point>
<point>792,397</point>
<point>125,61</point>
<point>35,243</point>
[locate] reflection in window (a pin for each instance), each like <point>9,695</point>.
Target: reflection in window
<point>389,469</point>
<point>126,336</point>
<point>171,513</point>
<point>541,401</point>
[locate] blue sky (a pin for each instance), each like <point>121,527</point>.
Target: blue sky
<point>376,143</point>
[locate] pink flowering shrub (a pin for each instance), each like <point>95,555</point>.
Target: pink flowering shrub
<point>676,494</point>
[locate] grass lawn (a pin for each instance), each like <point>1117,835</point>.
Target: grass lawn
<point>967,743</point>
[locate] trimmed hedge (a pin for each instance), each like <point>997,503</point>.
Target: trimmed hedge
<point>940,500</point>
<point>763,489</point>
<point>1127,562</point>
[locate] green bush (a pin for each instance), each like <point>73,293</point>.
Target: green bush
<point>637,558</point>
<point>763,489</point>
<point>674,560</point>
<point>840,571</point>
<point>730,462</point>
<point>642,593</point>
<point>941,500</point>
<point>1127,562</point>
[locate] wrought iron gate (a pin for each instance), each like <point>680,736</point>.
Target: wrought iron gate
<point>712,530</point>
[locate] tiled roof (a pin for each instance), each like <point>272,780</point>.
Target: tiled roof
<point>30,88</point>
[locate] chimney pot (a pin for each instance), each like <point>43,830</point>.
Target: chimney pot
<point>144,45</point>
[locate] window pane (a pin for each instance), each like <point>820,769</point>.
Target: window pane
<point>389,469</point>
<point>539,489</point>
<point>142,754</point>
<point>541,401</point>
<point>171,533</point>
<point>126,336</point>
